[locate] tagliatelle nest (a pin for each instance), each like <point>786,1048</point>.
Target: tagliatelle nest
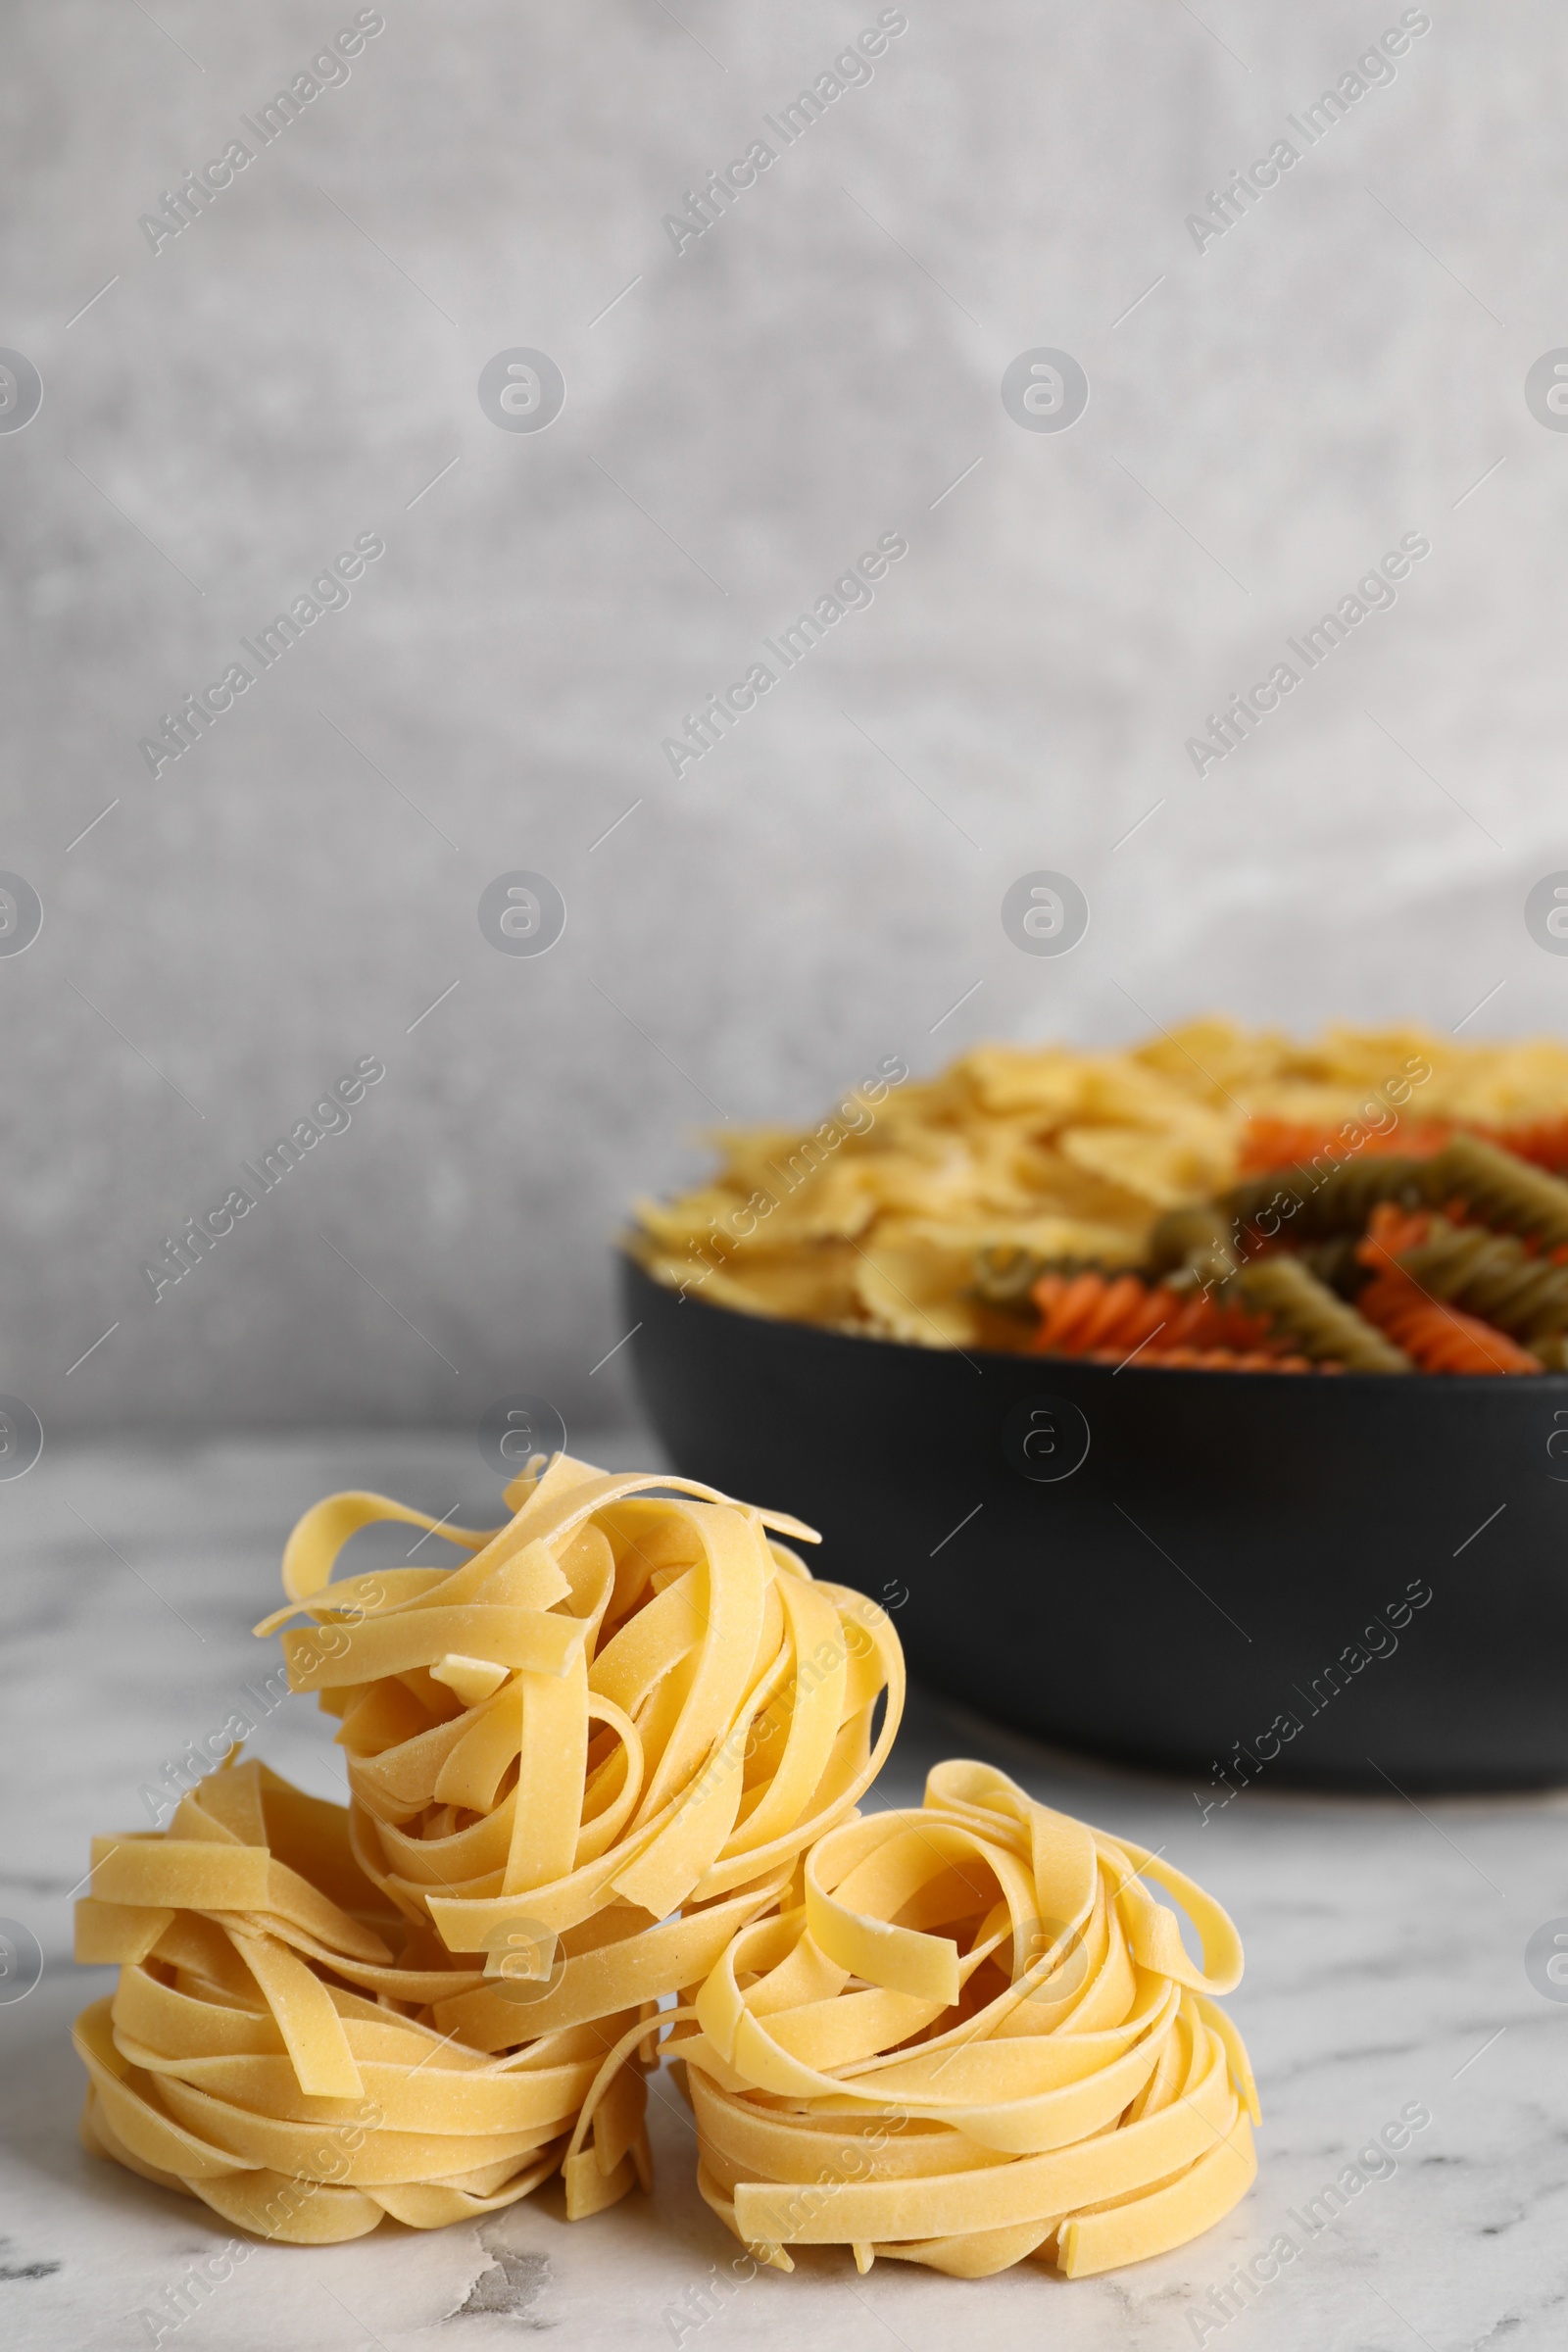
<point>579,1763</point>
<point>871,1220</point>
<point>973,2035</point>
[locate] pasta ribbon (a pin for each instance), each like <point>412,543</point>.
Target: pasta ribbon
<point>580,1761</point>
<point>972,2033</point>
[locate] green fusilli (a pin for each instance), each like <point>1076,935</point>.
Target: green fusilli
<point>1322,1326</point>
<point>1493,1276</point>
<point>1507,1194</point>
<point>1297,1204</point>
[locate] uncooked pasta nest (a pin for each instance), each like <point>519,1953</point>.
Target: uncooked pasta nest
<point>972,2033</point>
<point>613,1758</point>
<point>580,1763</point>
<point>921,1210</point>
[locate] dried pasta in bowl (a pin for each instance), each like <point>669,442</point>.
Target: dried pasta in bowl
<point>1195,1202</point>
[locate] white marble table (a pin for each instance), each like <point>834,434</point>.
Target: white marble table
<point>1385,1968</point>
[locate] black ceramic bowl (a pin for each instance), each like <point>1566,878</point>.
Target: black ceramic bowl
<point>1344,1582</point>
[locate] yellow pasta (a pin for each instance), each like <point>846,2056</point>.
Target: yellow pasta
<point>972,2033</point>
<point>872,1221</point>
<point>579,1763</point>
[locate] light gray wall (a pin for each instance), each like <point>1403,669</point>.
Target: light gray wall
<point>1336,370</point>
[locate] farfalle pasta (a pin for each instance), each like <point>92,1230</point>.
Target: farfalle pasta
<point>972,2033</point>
<point>579,1763</point>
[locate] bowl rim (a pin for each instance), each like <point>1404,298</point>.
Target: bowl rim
<point>1530,1384</point>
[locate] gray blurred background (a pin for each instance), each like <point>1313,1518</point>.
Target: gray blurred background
<point>1267,415</point>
